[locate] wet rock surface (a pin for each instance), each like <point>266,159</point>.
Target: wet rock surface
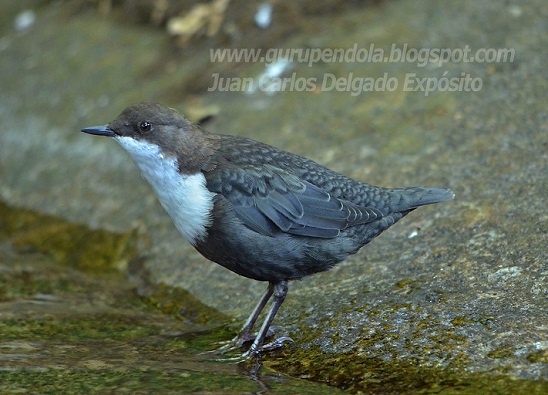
<point>459,287</point>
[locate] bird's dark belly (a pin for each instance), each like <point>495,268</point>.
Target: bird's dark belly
<point>263,258</point>
<point>283,256</point>
<point>268,258</point>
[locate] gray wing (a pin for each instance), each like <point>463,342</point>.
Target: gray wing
<point>269,200</point>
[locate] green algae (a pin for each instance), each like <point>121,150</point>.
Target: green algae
<point>151,381</point>
<point>501,352</point>
<point>137,382</point>
<point>127,350</point>
<point>65,330</point>
<point>105,327</point>
<point>181,304</point>
<point>376,364</point>
<point>69,244</point>
<point>84,251</point>
<point>358,373</point>
<point>540,356</point>
<point>408,285</point>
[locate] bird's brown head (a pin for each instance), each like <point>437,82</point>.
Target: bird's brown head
<point>163,127</point>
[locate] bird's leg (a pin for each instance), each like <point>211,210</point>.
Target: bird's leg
<point>245,333</point>
<point>279,291</point>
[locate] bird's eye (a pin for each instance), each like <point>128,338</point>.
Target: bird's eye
<point>145,126</point>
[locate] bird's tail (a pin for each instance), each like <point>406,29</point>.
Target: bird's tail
<point>404,199</point>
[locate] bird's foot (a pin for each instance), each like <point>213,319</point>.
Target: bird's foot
<point>237,342</point>
<point>255,350</point>
<point>242,338</point>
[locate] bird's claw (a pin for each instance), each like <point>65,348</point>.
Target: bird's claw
<point>274,345</point>
<point>243,338</point>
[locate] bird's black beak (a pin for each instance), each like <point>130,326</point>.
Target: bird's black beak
<point>100,131</point>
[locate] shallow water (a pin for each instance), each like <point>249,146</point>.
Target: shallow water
<point>74,329</point>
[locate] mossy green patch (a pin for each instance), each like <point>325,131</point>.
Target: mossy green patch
<point>182,304</point>
<point>408,285</point>
<point>42,278</point>
<point>141,381</point>
<point>357,373</point>
<point>68,331</point>
<point>133,381</point>
<point>538,356</point>
<point>501,352</point>
<point>106,326</point>
<point>390,360</point>
<point>70,244</point>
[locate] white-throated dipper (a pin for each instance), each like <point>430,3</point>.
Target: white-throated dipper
<point>260,212</point>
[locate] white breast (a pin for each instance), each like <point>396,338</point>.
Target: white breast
<point>185,197</point>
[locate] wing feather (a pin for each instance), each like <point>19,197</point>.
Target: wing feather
<point>270,200</point>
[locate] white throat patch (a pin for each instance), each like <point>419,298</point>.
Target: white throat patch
<point>185,197</point>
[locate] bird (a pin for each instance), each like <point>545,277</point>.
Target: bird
<point>259,211</point>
